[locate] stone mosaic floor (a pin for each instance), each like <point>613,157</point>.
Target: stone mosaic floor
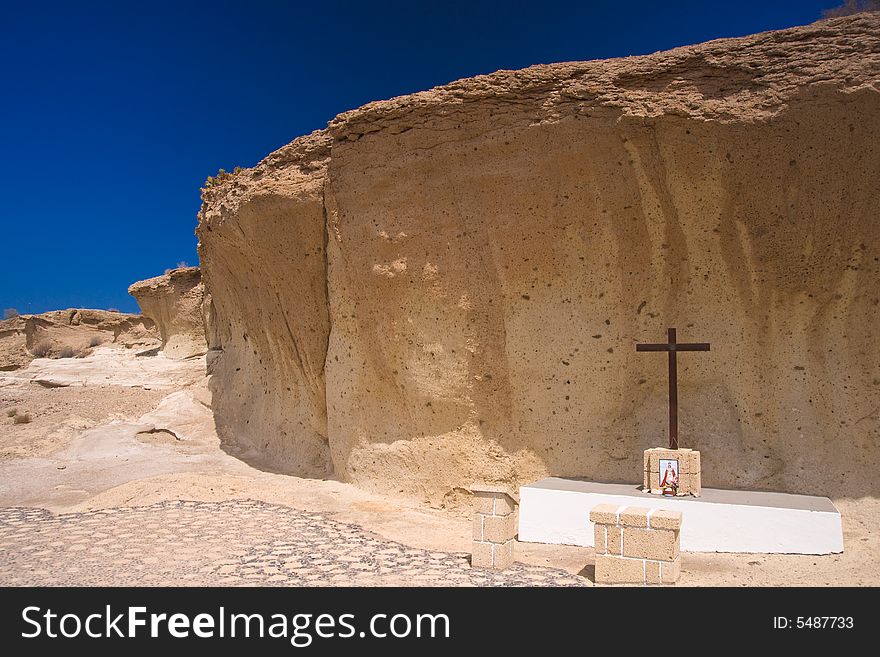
<point>235,543</point>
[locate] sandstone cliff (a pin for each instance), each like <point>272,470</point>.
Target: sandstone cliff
<point>448,286</point>
<point>75,330</point>
<point>174,302</point>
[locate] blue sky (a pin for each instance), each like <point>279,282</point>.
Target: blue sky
<point>114,113</point>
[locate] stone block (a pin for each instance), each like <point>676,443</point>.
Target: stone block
<point>694,465</point>
<point>499,529</point>
<point>670,571</point>
<point>665,519</point>
<point>481,555</point>
<point>492,555</point>
<point>478,526</point>
<point>613,542</point>
<point>691,484</point>
<point>659,544</point>
<point>484,503</point>
<point>634,516</point>
<point>599,540</point>
<point>652,572</point>
<point>504,505</point>
<point>503,555</point>
<point>619,570</point>
<point>605,514</point>
<point>684,485</point>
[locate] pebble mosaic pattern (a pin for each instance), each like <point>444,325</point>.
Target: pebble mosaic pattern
<point>234,543</point>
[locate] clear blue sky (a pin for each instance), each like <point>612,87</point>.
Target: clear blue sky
<point>114,113</point>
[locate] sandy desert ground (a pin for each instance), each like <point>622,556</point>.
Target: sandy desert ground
<point>120,479</point>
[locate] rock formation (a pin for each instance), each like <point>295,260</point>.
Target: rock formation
<point>448,286</point>
<point>74,330</point>
<point>174,302</point>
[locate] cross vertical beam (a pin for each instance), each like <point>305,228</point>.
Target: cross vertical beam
<point>672,347</point>
<point>673,390</point>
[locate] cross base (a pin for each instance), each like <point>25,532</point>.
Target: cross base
<point>674,472</point>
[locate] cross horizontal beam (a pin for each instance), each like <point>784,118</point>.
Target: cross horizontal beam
<point>677,346</point>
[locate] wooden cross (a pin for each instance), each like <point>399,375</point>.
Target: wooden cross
<point>673,348</point>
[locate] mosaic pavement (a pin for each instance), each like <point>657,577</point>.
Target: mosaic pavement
<point>234,543</point>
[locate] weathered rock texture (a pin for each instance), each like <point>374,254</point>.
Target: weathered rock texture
<point>77,329</point>
<point>174,302</point>
<point>448,286</point>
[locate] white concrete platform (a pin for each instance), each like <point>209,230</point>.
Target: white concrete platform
<point>556,510</point>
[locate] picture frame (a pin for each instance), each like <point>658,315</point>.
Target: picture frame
<point>669,476</point>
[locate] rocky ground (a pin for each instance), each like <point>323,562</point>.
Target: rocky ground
<point>120,479</point>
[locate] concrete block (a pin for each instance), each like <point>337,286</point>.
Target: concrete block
<point>605,514</point>
<point>599,542</point>
<point>481,555</point>
<point>499,529</point>
<point>659,544</point>
<point>504,505</point>
<point>634,516</point>
<point>503,557</point>
<point>484,503</point>
<point>619,570</point>
<point>615,536</point>
<point>478,526</point>
<point>665,519</point>
<point>696,483</point>
<point>670,571</point>
<point>684,485</point>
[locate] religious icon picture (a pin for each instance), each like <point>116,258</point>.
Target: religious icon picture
<point>669,476</point>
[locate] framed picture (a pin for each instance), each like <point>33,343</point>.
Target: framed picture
<point>669,475</point>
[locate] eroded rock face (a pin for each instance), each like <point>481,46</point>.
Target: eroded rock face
<point>448,286</point>
<point>267,272</point>
<point>73,331</point>
<point>174,302</point>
